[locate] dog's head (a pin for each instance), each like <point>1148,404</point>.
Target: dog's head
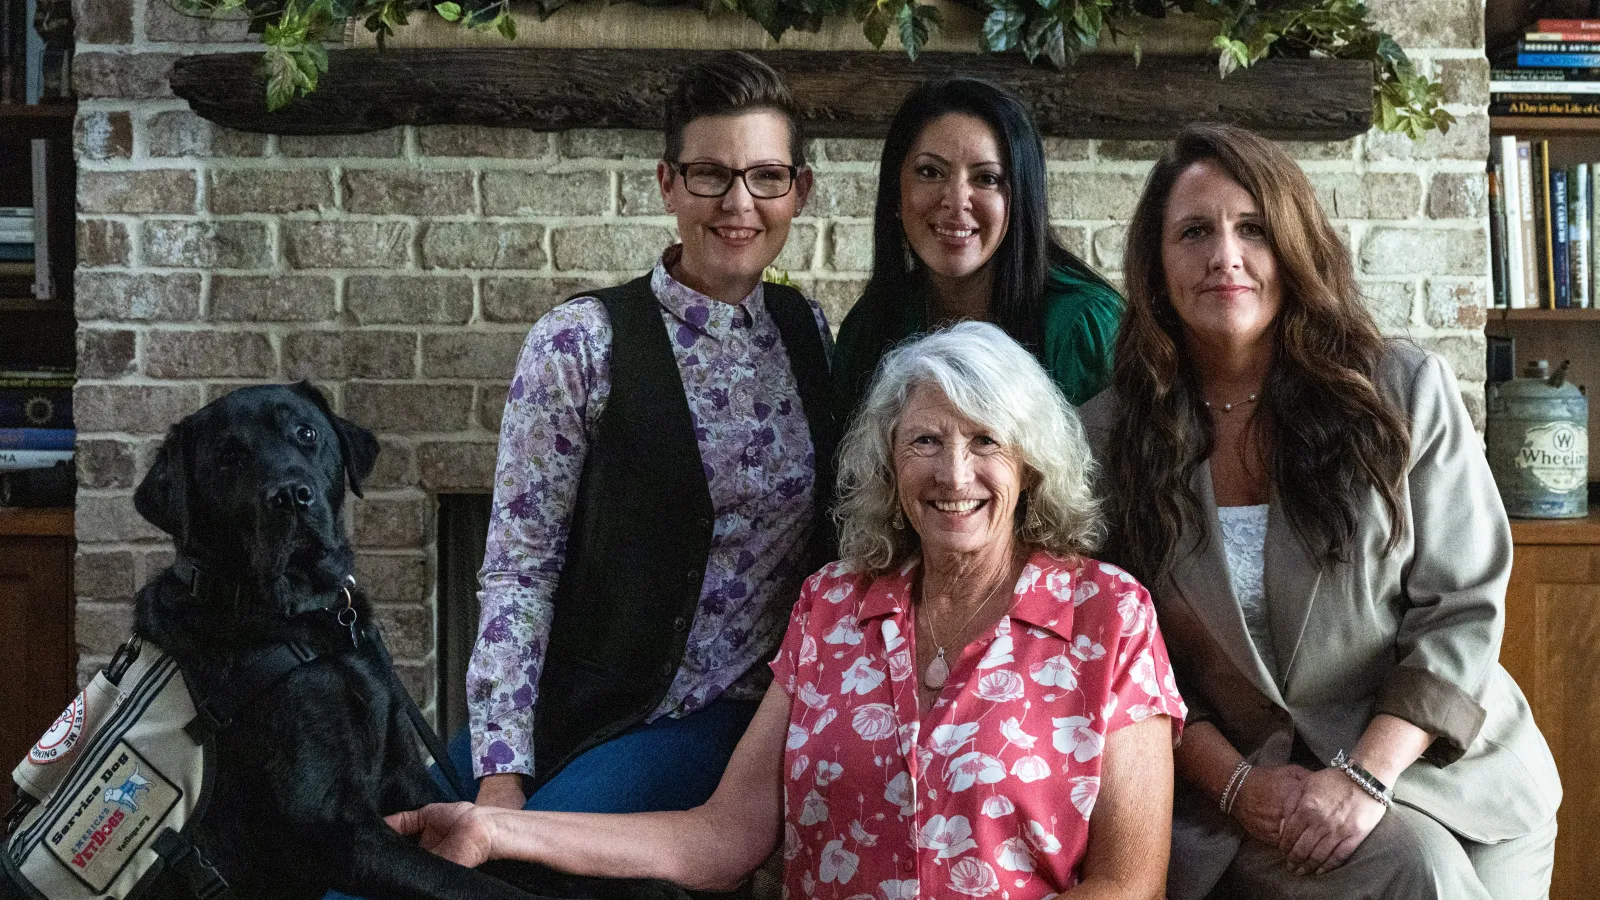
<point>255,481</point>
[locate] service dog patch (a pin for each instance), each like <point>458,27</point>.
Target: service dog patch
<point>63,734</point>
<point>113,815</point>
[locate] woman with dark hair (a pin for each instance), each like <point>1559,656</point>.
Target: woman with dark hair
<point>663,473</point>
<point>1312,512</point>
<point>961,231</point>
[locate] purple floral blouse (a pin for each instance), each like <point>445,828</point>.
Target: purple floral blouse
<point>756,448</point>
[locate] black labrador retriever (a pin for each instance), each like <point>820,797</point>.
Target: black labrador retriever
<point>251,488</point>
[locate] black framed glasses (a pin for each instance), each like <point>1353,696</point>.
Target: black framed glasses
<point>765,182</point>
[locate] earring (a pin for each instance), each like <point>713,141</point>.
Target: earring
<point>899,521</point>
<point>905,251</point>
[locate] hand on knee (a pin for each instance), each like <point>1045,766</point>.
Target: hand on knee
<point>1332,819</point>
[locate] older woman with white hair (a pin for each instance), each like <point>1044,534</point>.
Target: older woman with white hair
<point>964,705</point>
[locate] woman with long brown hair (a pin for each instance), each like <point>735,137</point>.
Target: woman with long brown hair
<point>1311,510</point>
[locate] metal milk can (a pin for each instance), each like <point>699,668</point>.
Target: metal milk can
<point>1538,443</point>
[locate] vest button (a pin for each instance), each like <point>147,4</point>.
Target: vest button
<point>693,576</point>
<point>666,669</point>
<point>680,623</point>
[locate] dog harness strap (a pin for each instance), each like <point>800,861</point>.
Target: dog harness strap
<point>183,859</point>
<point>430,738</point>
<point>202,585</point>
<point>218,710</point>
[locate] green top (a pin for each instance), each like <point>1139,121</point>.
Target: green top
<point>1081,316</point>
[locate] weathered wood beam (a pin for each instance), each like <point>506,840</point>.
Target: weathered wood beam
<point>844,94</point>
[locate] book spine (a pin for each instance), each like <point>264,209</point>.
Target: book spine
<point>1530,256</point>
<point>1580,46</point>
<point>1594,230</point>
<point>36,407</point>
<point>1543,227</point>
<point>1560,60</point>
<point>36,438</point>
<point>1559,238</point>
<point>28,381</point>
<point>1538,90</point>
<point>1498,256</point>
<point>12,460</point>
<point>1546,105</point>
<point>1511,200</point>
<point>1543,75</point>
<point>1591,45</point>
<point>1578,233</point>
<point>1547,37</point>
<point>1564,25</point>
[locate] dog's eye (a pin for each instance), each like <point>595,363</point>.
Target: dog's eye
<point>305,434</point>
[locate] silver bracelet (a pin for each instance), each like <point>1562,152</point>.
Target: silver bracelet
<point>1365,780</point>
<point>1235,783</point>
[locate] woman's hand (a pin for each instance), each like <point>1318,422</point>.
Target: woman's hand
<point>459,832</point>
<point>503,790</point>
<point>1267,798</point>
<point>1333,818</point>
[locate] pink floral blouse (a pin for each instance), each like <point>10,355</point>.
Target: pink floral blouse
<point>990,797</point>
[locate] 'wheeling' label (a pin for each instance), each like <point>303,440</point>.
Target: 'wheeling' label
<point>1556,455</point>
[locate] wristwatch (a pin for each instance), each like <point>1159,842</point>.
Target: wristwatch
<point>1365,780</point>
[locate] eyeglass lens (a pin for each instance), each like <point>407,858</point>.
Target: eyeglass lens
<point>712,180</point>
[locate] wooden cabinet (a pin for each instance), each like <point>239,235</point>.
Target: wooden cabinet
<point>1552,649</point>
<point>38,657</point>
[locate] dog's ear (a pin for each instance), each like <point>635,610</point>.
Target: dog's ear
<point>162,497</point>
<point>358,449</point>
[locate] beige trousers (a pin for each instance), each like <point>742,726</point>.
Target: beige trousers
<point>1409,856</point>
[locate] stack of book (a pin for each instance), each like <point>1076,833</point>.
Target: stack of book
<point>16,251</point>
<point>1556,72</point>
<point>36,438</point>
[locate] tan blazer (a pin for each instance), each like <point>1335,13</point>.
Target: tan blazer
<point>1414,632</point>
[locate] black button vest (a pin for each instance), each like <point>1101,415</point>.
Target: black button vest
<point>642,525</point>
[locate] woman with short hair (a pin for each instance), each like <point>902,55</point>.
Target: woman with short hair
<point>661,485</point>
<point>1312,511</point>
<point>961,231</point>
<point>966,705</point>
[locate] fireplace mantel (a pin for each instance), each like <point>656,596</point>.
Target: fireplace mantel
<point>844,93</point>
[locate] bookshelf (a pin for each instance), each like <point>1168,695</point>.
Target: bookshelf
<point>1556,334</point>
<point>1509,316</point>
<point>39,332</point>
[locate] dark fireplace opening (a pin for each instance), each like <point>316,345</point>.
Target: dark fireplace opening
<point>463,528</point>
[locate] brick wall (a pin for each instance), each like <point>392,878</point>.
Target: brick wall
<point>401,269</point>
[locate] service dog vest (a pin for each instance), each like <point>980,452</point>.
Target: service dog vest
<point>108,793</point>
<point>116,779</point>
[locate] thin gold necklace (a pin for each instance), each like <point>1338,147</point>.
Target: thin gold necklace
<point>937,671</point>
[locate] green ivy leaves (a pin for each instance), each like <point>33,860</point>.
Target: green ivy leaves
<point>1402,100</point>
<point>1248,31</point>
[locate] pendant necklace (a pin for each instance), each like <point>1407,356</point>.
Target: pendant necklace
<point>934,676</point>
<point>1228,407</point>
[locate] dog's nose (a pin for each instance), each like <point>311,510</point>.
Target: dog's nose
<point>293,495</point>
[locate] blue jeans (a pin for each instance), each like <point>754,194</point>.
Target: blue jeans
<point>668,764</point>
<point>664,765</point>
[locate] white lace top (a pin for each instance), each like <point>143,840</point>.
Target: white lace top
<point>1244,540</point>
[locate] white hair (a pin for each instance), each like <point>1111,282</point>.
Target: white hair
<point>993,381</point>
